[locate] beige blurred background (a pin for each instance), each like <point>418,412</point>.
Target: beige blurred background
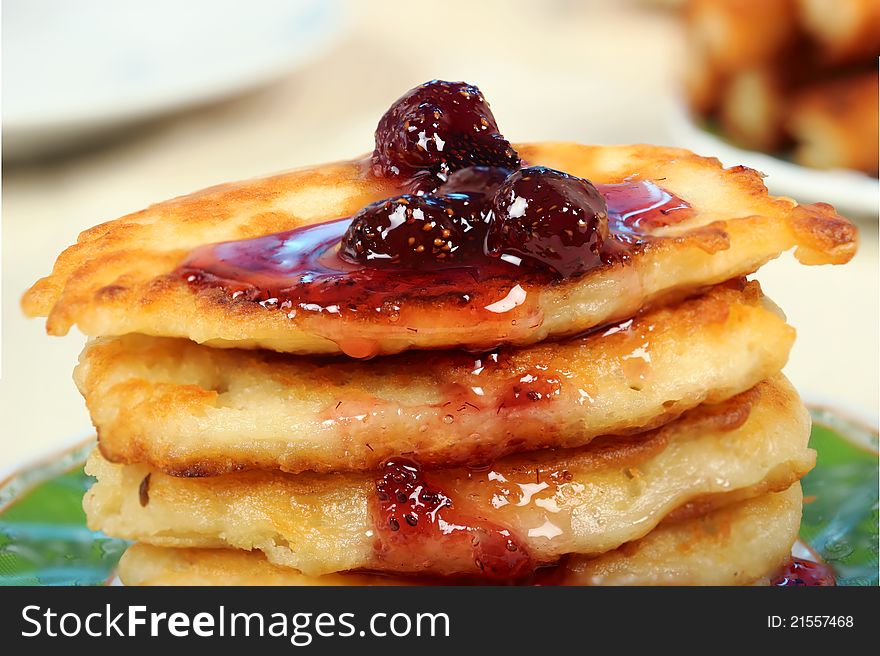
<point>590,71</point>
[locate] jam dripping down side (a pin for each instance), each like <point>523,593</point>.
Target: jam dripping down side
<point>417,526</point>
<point>300,272</point>
<point>799,573</point>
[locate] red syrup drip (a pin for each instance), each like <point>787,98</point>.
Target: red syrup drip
<point>799,572</point>
<point>417,527</point>
<point>300,270</point>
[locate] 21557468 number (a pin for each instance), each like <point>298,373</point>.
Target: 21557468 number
<point>810,621</point>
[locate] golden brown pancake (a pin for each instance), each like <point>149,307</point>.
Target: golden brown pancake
<point>192,410</point>
<point>552,503</point>
<point>123,276</point>
<point>741,544</point>
<point>744,543</point>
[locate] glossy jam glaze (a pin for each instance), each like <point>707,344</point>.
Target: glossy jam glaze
<point>640,206</point>
<point>799,572</point>
<point>418,525</point>
<point>300,271</point>
<point>437,521</point>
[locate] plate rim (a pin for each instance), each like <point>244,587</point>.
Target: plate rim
<point>19,132</point>
<point>43,466</point>
<point>688,132</point>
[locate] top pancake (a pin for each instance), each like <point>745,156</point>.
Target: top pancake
<point>121,277</point>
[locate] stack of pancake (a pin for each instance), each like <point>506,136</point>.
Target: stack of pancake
<point>628,426</point>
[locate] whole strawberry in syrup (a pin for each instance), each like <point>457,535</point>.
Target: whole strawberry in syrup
<point>549,219</point>
<point>435,129</point>
<point>413,231</point>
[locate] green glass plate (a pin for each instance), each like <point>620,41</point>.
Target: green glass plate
<point>44,539</point>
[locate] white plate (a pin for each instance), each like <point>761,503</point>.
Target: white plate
<point>852,193</point>
<point>72,70</point>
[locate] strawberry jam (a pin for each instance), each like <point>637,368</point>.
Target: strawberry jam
<point>436,129</point>
<point>799,572</point>
<point>477,231</point>
<point>550,219</point>
<point>300,271</point>
<point>418,526</point>
<point>413,231</point>
<point>638,206</point>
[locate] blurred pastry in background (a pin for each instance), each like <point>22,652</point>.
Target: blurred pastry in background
<point>834,124</point>
<point>794,77</point>
<point>753,107</point>
<point>846,30</point>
